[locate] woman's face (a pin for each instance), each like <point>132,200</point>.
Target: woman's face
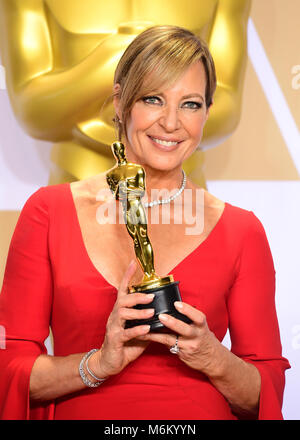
<point>165,128</point>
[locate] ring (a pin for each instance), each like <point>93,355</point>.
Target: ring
<point>175,349</point>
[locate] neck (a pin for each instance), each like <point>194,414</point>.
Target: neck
<point>158,180</point>
<point>168,179</point>
<point>161,184</point>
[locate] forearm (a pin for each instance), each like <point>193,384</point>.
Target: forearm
<point>46,101</point>
<point>237,380</point>
<point>50,104</point>
<point>55,376</point>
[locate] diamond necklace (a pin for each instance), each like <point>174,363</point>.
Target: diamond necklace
<point>170,199</point>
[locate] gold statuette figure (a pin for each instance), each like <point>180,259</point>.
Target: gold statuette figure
<point>127,182</point>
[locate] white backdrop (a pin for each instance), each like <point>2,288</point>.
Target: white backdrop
<point>25,164</point>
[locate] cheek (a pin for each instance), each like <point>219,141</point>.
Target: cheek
<point>194,125</point>
<point>140,119</point>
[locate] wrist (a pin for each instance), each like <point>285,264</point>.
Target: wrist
<point>94,365</point>
<point>87,376</point>
<point>216,359</point>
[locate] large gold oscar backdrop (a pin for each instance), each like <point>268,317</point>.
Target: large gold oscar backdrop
<point>59,59</point>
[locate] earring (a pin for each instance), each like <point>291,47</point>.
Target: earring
<point>116,120</point>
<point>118,127</point>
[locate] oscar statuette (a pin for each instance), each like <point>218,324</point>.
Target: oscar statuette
<point>127,182</point>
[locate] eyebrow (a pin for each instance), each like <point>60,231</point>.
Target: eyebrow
<point>193,95</point>
<point>190,95</point>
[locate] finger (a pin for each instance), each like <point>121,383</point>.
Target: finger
<point>136,298</point>
<point>177,326</point>
<point>123,288</point>
<point>139,331</point>
<point>163,338</point>
<point>126,313</point>
<point>191,312</point>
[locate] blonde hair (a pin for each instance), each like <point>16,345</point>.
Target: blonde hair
<point>158,57</point>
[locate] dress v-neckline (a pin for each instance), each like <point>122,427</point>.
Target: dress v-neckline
<point>94,268</point>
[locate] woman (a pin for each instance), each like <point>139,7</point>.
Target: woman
<point>66,270</point>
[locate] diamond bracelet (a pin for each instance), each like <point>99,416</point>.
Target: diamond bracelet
<point>83,376</point>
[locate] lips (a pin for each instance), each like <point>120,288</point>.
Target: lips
<point>166,144</point>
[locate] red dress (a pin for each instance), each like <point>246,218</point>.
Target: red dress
<point>50,280</point>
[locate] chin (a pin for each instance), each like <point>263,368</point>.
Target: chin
<point>162,165</point>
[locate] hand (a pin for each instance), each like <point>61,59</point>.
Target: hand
<point>120,346</point>
<point>197,344</point>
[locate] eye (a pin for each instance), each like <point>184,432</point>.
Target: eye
<point>194,105</point>
<point>151,100</point>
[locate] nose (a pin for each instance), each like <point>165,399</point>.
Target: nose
<point>170,119</point>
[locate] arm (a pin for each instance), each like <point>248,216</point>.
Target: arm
<point>253,372</point>
<point>253,323</point>
<point>228,45</point>
<point>141,180</point>
<point>30,378</point>
<point>238,381</point>
<point>49,103</point>
<point>25,308</point>
<point>136,184</point>
<point>251,375</point>
<point>54,376</point>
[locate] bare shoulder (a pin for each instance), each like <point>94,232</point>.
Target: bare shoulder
<point>87,190</point>
<point>213,201</point>
<point>210,201</point>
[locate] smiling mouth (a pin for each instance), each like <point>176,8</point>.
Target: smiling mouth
<point>164,143</point>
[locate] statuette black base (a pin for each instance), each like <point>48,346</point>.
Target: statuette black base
<point>163,302</point>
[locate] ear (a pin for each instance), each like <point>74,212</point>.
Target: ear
<point>116,100</point>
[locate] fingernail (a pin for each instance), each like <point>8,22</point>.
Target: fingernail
<point>146,328</point>
<point>163,317</point>
<point>178,304</point>
<point>150,311</point>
